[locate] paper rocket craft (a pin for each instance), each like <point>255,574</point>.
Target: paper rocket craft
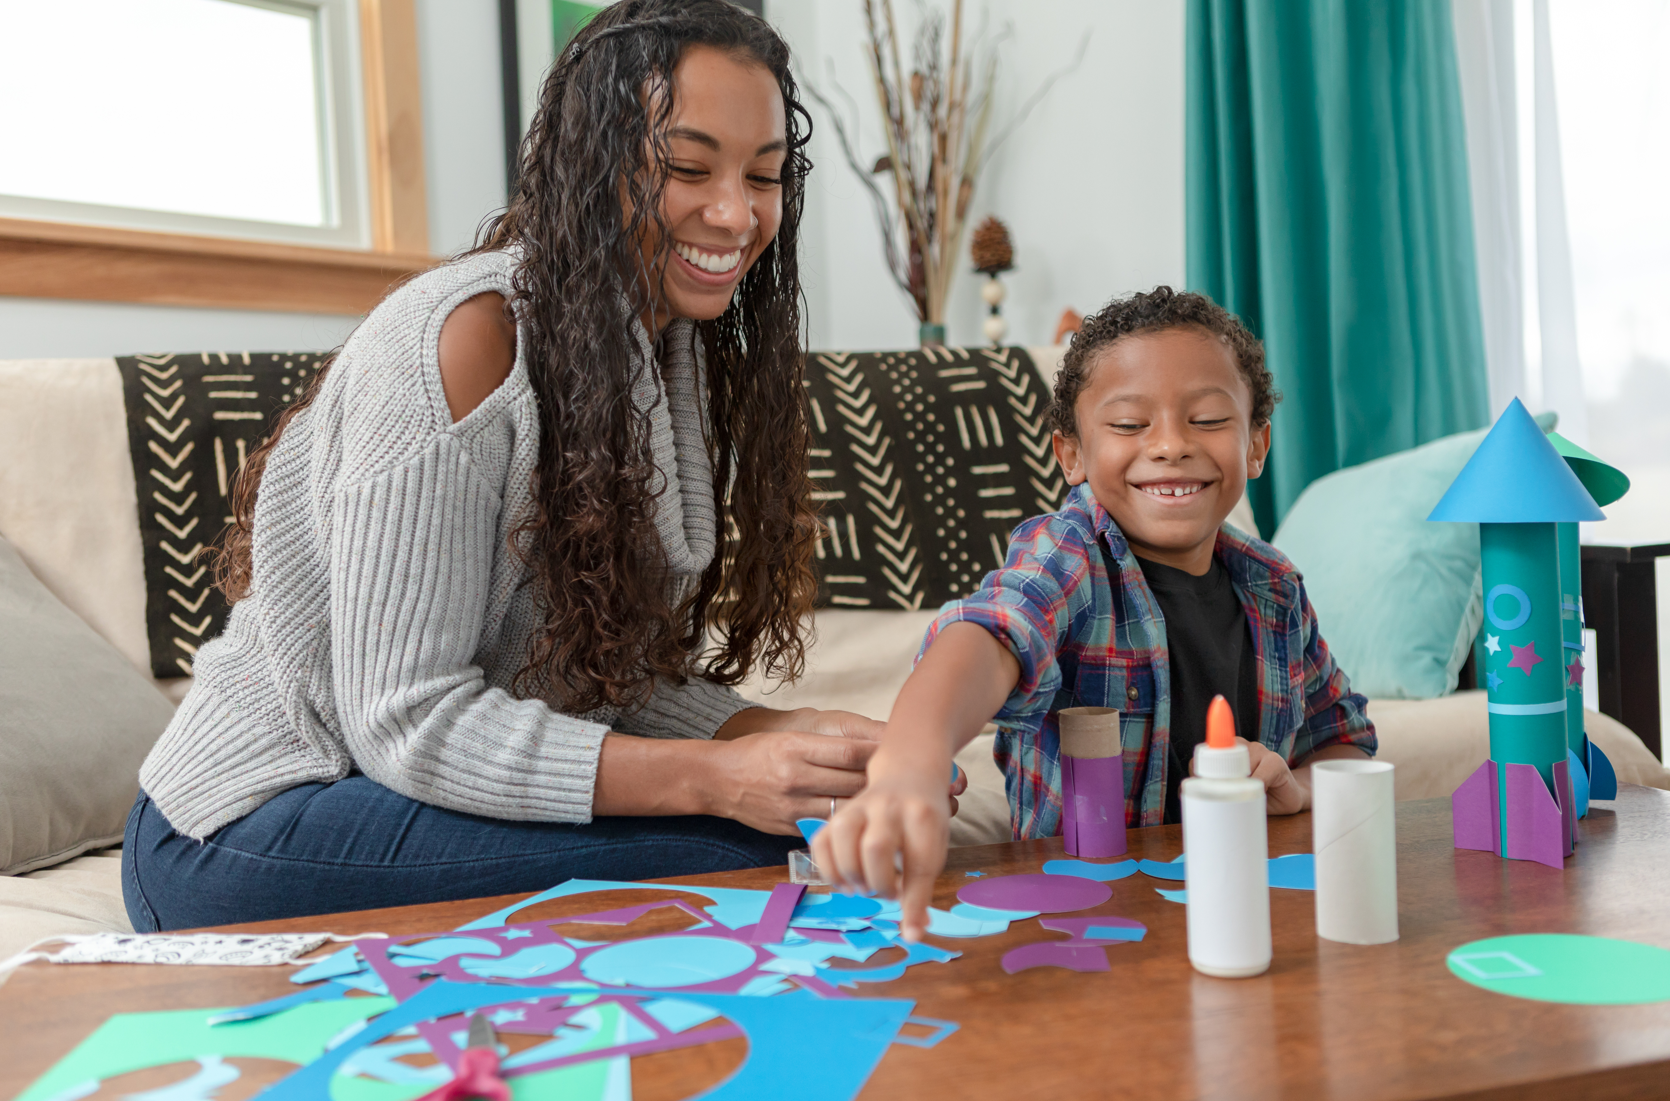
<point>1520,803</point>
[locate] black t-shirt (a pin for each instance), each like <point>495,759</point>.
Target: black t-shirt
<point>1211,650</point>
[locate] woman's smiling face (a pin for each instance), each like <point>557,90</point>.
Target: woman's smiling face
<point>724,195</point>
<point>1166,441</point>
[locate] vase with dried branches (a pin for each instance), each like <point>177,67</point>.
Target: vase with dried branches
<point>935,118</point>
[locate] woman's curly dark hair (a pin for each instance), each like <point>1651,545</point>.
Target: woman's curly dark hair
<point>1151,311</point>
<point>594,166</point>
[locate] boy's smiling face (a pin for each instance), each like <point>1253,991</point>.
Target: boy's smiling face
<point>1166,441</point>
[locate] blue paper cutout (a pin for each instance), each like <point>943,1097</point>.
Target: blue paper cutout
<point>914,954</point>
<point>944,924</point>
<point>985,913</point>
<point>817,951</point>
<point>677,1015</point>
<point>213,1072</point>
<point>816,904</point>
<point>1579,783</point>
<point>1106,873</point>
<point>1516,477</point>
<point>542,959</point>
<point>1603,780</point>
<point>516,934</point>
<point>382,1063</point>
<point>728,906</point>
<point>1295,872</point>
<point>974,875</point>
<point>323,993</point>
<point>1170,870</point>
<point>852,1035</point>
<point>1172,896</point>
<point>344,962</point>
<point>809,827</point>
<point>440,948</point>
<point>942,1030</point>
<point>667,962</point>
<point>1114,932</point>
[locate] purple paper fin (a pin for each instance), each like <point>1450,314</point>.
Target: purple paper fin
<point>1054,953</point>
<point>1603,780</point>
<point>1568,806</point>
<point>1473,810</point>
<point>1535,821</point>
<point>773,925</point>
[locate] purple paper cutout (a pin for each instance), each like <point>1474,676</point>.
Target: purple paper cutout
<point>1109,929</point>
<point>1093,806</point>
<point>1046,894</point>
<point>1535,821</point>
<point>773,925</point>
<point>1473,810</point>
<point>1568,805</point>
<point>1056,953</point>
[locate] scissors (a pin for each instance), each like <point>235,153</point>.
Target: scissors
<point>478,1068</point>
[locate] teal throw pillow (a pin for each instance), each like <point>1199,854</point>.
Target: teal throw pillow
<point>1398,598</point>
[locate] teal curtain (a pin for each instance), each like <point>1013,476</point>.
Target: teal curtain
<point>1328,208</point>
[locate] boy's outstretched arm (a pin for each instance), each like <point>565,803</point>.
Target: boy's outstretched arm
<point>893,835</point>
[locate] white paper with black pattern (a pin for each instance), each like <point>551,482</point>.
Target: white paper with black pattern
<point>204,949</point>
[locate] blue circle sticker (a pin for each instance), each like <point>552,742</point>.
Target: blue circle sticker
<point>1519,617</point>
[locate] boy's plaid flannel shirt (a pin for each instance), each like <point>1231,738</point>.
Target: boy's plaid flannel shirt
<point>1082,641</point>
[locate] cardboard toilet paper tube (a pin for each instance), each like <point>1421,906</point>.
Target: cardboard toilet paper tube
<point>1092,782</point>
<point>1355,839</point>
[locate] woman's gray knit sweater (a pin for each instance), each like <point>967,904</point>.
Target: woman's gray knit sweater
<point>387,614</point>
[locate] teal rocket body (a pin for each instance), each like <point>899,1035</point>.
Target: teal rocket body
<point>1523,674</point>
<point>1571,635</point>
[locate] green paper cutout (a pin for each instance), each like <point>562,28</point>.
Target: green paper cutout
<point>135,1041</point>
<point>1605,482</point>
<point>1561,967</point>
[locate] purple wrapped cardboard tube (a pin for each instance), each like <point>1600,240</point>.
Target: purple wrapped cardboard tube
<point>1092,782</point>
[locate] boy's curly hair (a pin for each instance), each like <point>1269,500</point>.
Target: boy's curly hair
<point>1159,309</point>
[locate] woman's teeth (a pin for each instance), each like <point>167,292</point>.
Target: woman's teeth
<point>1172,491</point>
<point>716,262</point>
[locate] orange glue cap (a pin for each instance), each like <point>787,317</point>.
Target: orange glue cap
<point>1220,724</point>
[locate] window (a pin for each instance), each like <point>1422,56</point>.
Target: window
<point>219,117</point>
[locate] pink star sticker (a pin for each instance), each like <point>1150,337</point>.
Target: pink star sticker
<point>1524,657</point>
<point>1574,673</point>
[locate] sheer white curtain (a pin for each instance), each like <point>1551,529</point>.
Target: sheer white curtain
<point>1491,84</point>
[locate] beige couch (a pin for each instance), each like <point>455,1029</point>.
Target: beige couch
<point>68,505</point>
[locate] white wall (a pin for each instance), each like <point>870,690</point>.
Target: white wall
<point>464,172</point>
<point>1091,186</point>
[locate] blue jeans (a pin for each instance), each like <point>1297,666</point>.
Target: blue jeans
<point>355,845</point>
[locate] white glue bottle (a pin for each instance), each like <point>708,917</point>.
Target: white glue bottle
<point>1227,869</point>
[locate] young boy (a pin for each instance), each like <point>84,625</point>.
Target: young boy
<point>1132,596</point>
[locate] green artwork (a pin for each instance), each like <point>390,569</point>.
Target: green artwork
<point>567,17</point>
<point>135,1041</point>
<point>1559,967</point>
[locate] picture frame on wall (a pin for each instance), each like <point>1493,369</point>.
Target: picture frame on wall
<point>530,34</point>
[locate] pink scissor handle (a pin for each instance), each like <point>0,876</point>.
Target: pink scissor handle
<point>478,1076</point>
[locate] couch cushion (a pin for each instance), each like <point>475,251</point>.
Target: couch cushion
<point>79,896</point>
<point>1398,598</point>
<point>76,720</point>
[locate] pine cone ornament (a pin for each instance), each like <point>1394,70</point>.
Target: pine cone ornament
<point>991,248</point>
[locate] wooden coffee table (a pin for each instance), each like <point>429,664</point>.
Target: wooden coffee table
<point>1328,1020</point>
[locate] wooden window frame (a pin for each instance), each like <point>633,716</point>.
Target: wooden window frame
<point>41,259</point>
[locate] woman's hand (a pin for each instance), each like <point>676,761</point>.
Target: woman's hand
<point>891,839</point>
<point>770,779</point>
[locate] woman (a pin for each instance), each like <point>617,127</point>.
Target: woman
<point>488,549</point>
